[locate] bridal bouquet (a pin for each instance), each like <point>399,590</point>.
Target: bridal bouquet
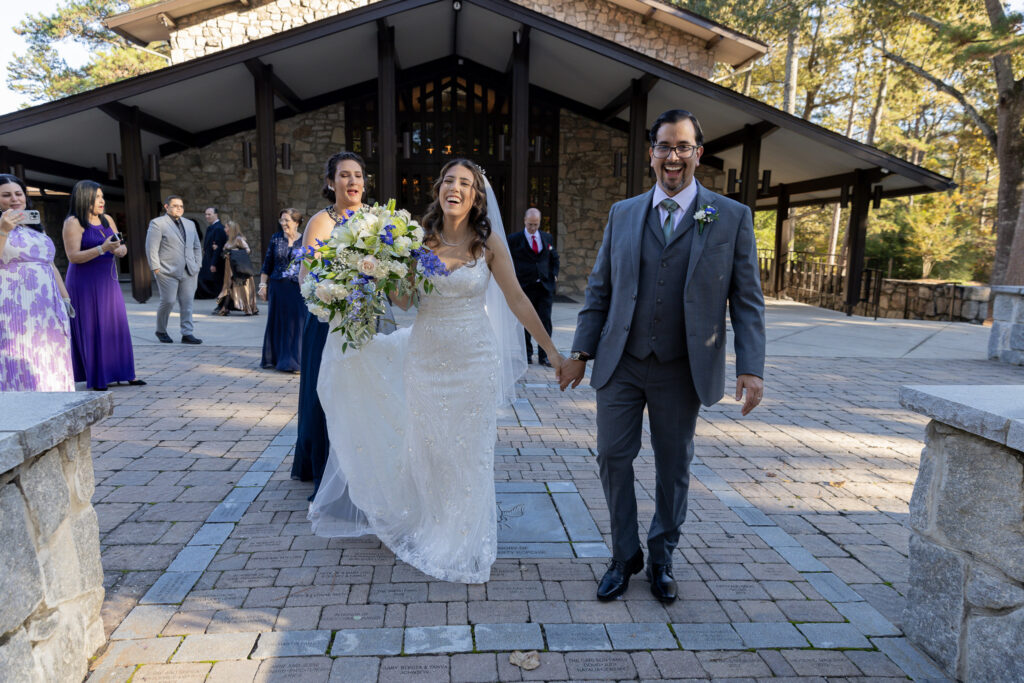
<point>370,254</point>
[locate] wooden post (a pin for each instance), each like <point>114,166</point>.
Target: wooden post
<point>136,217</point>
<point>749,167</point>
<point>781,241</point>
<point>387,121</point>
<point>266,153</point>
<point>857,231</point>
<point>519,178</point>
<point>637,161</point>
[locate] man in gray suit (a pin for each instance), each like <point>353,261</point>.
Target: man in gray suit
<point>175,255</point>
<point>654,324</point>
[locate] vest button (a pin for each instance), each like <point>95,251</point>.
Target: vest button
<point>653,338</point>
<point>661,282</point>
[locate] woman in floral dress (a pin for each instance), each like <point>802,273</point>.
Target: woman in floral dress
<point>35,336</point>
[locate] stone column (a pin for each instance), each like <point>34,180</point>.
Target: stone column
<point>51,580</point>
<point>966,602</point>
<point>1006,341</point>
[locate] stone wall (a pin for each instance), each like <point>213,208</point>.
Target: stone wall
<point>234,24</point>
<point>965,606</point>
<point>1006,341</point>
<point>917,301</point>
<point>51,578</point>
<point>215,175</point>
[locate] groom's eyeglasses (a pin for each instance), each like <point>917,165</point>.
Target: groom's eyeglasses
<point>682,151</point>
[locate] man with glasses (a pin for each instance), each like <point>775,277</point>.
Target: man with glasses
<point>654,325</point>
<point>175,256</point>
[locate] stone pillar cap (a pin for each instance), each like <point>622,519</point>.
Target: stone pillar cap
<point>33,422</point>
<point>991,411</point>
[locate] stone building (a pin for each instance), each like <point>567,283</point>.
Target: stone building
<point>552,98</point>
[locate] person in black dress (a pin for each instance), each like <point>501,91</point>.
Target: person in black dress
<point>343,186</point>
<point>536,262</point>
<point>279,285</point>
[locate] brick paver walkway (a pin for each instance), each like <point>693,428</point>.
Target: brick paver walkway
<point>792,565</point>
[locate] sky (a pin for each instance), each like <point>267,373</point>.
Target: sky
<point>10,44</point>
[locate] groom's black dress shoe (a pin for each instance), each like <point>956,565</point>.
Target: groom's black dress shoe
<point>164,337</point>
<point>616,580</point>
<point>663,585</point>
<point>189,339</point>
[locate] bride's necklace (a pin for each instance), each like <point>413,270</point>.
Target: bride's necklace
<point>333,213</point>
<point>452,244</point>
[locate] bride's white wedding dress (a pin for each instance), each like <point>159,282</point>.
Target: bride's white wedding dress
<point>412,423</point>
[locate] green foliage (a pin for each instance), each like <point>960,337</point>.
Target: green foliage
<point>42,74</point>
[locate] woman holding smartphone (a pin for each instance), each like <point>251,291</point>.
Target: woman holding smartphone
<point>100,339</point>
<point>35,339</point>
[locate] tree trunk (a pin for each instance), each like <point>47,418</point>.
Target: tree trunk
<point>926,267</point>
<point>1008,267</point>
<point>879,108</point>
<point>789,86</point>
<point>833,235</point>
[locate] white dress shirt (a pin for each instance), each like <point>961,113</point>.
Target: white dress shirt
<point>684,198</point>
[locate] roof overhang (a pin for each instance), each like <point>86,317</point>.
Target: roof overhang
<point>153,23</point>
<point>191,104</point>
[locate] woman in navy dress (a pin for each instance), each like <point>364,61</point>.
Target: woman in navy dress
<point>101,343</point>
<point>343,186</point>
<point>279,285</point>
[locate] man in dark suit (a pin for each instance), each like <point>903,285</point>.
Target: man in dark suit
<point>654,323</point>
<point>211,275</point>
<point>536,263</point>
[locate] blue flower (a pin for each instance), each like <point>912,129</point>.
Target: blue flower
<point>430,263</point>
<point>386,238</point>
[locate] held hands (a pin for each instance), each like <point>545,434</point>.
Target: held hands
<point>754,388</point>
<point>110,244</point>
<point>121,251</point>
<point>571,372</point>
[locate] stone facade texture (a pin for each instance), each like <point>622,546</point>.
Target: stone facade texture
<point>965,606</point>
<point>1006,341</point>
<point>226,26</point>
<point>50,572</point>
<point>215,175</point>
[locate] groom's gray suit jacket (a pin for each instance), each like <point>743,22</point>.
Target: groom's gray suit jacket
<point>722,268</point>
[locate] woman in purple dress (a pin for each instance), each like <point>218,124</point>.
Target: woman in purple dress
<point>100,339</point>
<point>35,340</point>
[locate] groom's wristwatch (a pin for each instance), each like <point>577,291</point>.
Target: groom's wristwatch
<point>580,355</point>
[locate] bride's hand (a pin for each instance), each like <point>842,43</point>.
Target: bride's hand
<point>556,361</point>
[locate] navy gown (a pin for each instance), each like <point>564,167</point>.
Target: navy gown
<point>311,445</point>
<point>286,312</point>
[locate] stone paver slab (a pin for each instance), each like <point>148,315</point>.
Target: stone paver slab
<point>364,642</point>
<point>304,669</point>
<point>508,637</point>
<point>833,636</point>
<point>867,619</point>
<point>575,637</point>
<point>771,635</point>
<point>168,673</point>
<point>215,646</point>
<point>436,639</point>
<point>832,588</point>
<point>708,637</point>
<point>415,670</point>
<point>144,621</point>
<point>291,644</point>
<point>648,636</point>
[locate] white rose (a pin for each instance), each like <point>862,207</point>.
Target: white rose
<point>367,265</point>
<point>417,233</point>
<point>402,244</point>
<point>325,292</point>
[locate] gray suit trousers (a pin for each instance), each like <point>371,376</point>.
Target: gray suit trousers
<point>672,405</point>
<point>182,290</point>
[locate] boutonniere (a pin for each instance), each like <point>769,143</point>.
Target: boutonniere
<point>705,217</point>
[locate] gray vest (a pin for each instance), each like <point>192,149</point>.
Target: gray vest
<point>659,326</point>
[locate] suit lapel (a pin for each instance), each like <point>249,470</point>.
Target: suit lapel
<point>704,198</point>
<point>636,220</point>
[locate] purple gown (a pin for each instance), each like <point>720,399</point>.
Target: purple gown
<point>35,348</point>
<point>100,339</point>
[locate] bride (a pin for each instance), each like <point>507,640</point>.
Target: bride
<point>412,415</point>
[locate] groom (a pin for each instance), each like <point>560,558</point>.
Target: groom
<point>654,324</point>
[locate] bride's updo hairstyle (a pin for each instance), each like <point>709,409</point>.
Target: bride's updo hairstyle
<point>332,168</point>
<point>433,219</point>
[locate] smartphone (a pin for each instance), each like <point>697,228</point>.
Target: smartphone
<point>119,237</point>
<point>31,217</point>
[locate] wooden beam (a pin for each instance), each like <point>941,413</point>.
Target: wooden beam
<point>519,180</point>
<point>860,205</point>
<point>781,243</point>
<point>738,137</point>
<point>387,113</point>
<point>750,168</point>
<point>281,89</point>
<point>636,159</point>
<point>621,102</point>
<point>266,153</point>
<point>63,169</point>
<point>149,123</point>
<point>831,182</point>
<point>135,218</point>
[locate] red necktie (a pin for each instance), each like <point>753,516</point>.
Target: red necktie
<point>536,245</point>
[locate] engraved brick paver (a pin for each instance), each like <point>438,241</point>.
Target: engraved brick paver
<point>796,514</point>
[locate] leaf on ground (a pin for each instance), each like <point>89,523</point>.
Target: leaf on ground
<point>837,484</point>
<point>525,660</point>
<point>770,474</point>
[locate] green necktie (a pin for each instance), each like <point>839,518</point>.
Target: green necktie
<point>670,207</point>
